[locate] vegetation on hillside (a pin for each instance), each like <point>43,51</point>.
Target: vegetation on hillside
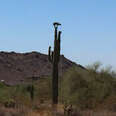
<point>93,88</point>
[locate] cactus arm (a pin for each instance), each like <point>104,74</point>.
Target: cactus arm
<point>52,56</point>
<point>55,34</point>
<point>55,39</point>
<point>49,54</point>
<point>59,36</point>
<point>58,45</point>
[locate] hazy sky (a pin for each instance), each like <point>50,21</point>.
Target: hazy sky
<point>88,28</point>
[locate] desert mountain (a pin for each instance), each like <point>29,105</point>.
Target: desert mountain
<point>16,67</point>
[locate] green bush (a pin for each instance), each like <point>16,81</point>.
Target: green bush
<point>87,89</point>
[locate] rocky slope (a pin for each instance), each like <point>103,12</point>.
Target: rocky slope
<point>16,67</point>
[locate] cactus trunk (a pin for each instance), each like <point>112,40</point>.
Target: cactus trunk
<point>55,83</point>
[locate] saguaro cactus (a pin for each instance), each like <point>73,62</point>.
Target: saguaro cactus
<point>54,58</point>
<point>30,89</point>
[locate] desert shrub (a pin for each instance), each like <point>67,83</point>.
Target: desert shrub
<point>21,93</point>
<point>95,67</point>
<point>43,89</point>
<point>87,89</point>
<point>73,87</point>
<point>10,103</point>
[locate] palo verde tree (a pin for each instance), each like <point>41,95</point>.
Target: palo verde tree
<point>54,58</point>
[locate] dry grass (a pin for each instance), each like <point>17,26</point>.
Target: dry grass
<point>99,113</point>
<point>46,110</point>
<point>84,113</point>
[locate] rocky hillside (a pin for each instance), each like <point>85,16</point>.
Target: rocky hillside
<point>16,67</point>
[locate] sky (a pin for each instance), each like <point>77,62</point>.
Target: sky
<point>88,28</point>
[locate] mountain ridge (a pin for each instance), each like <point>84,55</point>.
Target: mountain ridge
<point>16,67</point>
